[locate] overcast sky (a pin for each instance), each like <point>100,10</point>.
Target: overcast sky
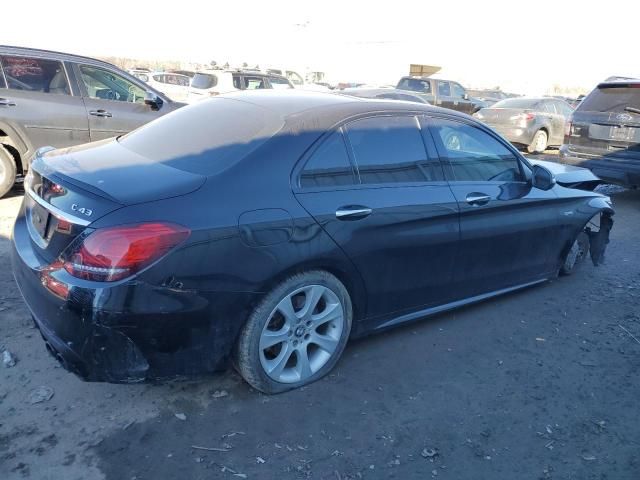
<point>521,46</point>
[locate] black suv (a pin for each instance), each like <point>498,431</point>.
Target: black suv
<point>604,133</point>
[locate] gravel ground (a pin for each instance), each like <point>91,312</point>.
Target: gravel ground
<point>539,384</point>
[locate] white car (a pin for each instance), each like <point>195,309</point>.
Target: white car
<point>174,85</point>
<point>215,82</point>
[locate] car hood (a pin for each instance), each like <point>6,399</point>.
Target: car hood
<point>108,169</point>
<point>569,175</point>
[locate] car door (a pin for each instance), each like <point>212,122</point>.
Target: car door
<point>39,102</point>
<point>461,101</point>
<point>381,195</point>
<point>444,98</point>
<point>114,104</point>
<point>507,227</point>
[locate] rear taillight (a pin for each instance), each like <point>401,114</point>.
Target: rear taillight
<point>114,253</point>
<point>567,128</point>
<point>528,116</point>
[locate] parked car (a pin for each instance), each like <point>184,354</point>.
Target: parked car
<point>261,234</point>
<point>603,133</point>
<point>536,123</point>
<point>207,83</point>
<point>489,97</point>
<point>57,99</point>
<point>141,73</point>
<point>173,85</point>
<point>296,80</point>
<point>383,93</point>
<point>443,93</point>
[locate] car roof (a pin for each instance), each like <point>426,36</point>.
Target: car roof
<point>620,83</point>
<point>313,106</point>
<point>40,53</point>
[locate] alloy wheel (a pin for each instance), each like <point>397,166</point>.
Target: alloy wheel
<point>301,334</point>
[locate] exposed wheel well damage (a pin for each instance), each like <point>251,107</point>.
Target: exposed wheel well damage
<point>597,234</point>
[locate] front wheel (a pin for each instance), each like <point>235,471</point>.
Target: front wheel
<point>539,142</point>
<point>296,334</point>
<point>7,171</point>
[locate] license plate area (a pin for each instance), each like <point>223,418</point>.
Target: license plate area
<point>624,134</point>
<point>40,219</point>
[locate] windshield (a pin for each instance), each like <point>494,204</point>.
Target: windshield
<point>517,103</point>
<point>612,99</point>
<point>205,138</point>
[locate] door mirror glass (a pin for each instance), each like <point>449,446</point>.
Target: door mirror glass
<point>542,178</point>
<point>153,100</point>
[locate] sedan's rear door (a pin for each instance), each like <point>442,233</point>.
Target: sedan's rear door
<point>509,230</point>
<point>381,195</point>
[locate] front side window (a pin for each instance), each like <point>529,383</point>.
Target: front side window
<point>35,75</point>
<point>457,91</point>
<point>390,150</point>
<point>474,155</point>
<point>105,85</point>
<point>329,165</point>
<point>444,89</point>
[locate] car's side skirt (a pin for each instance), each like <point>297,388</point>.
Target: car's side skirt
<point>450,306</point>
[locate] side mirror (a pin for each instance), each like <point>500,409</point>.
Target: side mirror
<point>465,96</point>
<point>153,100</point>
<point>542,178</point>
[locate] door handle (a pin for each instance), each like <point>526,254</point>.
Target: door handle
<point>352,212</point>
<point>100,113</point>
<point>477,199</point>
<point>4,102</point>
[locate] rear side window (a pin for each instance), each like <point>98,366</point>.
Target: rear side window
<point>415,85</point>
<point>204,81</point>
<point>329,165</point>
<point>279,83</point>
<point>2,82</point>
<point>390,150</point>
<point>611,99</point>
<point>35,75</point>
<point>205,138</point>
<point>474,155</point>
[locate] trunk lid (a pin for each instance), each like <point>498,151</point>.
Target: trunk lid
<point>503,116</point>
<point>68,189</point>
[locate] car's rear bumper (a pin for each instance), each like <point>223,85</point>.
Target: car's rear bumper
<point>129,331</point>
<point>612,170</point>
<point>521,136</point>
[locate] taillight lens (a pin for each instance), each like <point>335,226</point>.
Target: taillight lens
<point>114,253</point>
<point>567,128</point>
<point>528,116</point>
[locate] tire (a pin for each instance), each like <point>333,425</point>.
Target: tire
<point>539,143</point>
<point>580,248</point>
<point>269,341</point>
<point>7,171</point>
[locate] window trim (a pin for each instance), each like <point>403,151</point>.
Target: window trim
<point>84,93</point>
<point>525,166</point>
<point>427,140</point>
<point>36,57</point>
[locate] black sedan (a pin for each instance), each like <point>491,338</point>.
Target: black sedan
<point>268,228</point>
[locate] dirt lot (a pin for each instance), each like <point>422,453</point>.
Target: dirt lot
<point>539,384</point>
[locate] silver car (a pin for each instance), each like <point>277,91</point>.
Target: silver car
<point>57,99</point>
<point>536,123</point>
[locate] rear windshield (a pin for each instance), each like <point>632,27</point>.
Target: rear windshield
<point>611,99</point>
<point>204,81</point>
<point>207,137</point>
<point>516,103</point>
